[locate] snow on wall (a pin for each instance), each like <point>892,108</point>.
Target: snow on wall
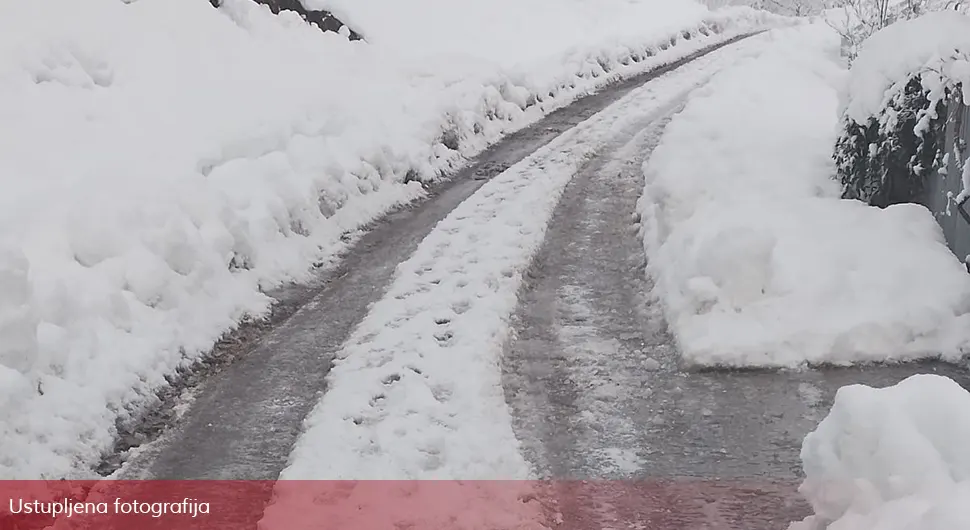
<point>164,162</point>
<point>891,458</point>
<point>757,261</point>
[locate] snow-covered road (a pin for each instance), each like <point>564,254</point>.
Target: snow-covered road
<point>503,329</point>
<point>243,421</point>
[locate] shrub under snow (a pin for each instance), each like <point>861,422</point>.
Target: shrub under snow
<point>895,106</point>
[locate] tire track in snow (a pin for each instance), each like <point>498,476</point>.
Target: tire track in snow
<point>416,392</point>
<point>593,378</point>
<point>584,336</point>
<point>246,415</point>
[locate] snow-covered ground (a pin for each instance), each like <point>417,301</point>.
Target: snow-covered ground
<point>164,163</point>
<point>757,260</point>
<point>891,458</point>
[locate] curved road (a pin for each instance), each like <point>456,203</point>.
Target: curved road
<point>592,379</point>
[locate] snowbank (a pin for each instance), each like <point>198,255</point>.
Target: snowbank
<point>891,458</point>
<point>164,163</point>
<point>933,43</point>
<point>756,259</point>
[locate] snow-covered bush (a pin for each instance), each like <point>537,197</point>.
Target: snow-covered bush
<point>895,107</point>
<point>885,160</point>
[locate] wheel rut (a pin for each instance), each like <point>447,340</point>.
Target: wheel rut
<point>246,413</point>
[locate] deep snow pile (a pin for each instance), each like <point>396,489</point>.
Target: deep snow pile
<point>891,458</point>
<point>164,162</point>
<point>756,259</point>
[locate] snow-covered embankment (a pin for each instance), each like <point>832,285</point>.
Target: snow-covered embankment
<point>757,261</point>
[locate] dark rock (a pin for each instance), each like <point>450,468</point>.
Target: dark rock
<point>323,19</point>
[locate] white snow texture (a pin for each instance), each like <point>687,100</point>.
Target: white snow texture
<point>896,458</point>
<point>165,163</point>
<point>892,458</point>
<point>757,261</point>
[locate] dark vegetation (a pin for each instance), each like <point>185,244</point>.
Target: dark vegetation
<point>886,161</point>
<point>322,19</point>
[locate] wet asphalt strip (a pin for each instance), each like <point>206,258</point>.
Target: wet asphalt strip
<point>245,417</point>
<point>602,405</point>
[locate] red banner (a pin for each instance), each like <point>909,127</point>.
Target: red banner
<point>669,504</point>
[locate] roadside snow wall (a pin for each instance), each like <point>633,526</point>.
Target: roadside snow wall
<point>757,260</point>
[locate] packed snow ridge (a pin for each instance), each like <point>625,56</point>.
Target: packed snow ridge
<point>758,261</point>
<point>166,163</point>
